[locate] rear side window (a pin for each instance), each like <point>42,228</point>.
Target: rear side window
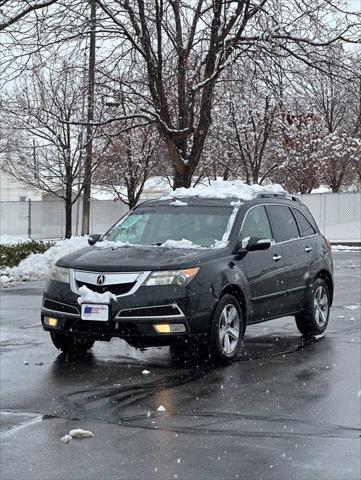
<point>305,227</point>
<point>283,223</point>
<point>256,224</point>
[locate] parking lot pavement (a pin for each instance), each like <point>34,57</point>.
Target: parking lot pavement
<point>287,408</point>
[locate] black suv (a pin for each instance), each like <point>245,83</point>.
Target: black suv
<point>193,271</point>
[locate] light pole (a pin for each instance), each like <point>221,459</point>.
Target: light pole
<point>90,119</point>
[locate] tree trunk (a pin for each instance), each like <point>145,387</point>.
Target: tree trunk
<point>68,219</point>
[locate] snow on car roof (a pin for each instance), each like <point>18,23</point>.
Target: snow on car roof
<point>219,189</point>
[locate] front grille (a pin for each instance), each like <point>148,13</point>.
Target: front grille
<point>60,307</point>
<point>161,311</point>
<point>117,289</point>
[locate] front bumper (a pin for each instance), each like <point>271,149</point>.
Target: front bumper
<point>133,316</point>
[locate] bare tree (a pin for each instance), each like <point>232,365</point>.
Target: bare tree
<point>12,11</point>
<point>44,149</point>
<point>128,161</point>
<point>182,50</point>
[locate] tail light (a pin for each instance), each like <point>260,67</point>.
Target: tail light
<point>327,243</point>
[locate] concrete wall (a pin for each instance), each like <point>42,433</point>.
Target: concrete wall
<point>337,214</point>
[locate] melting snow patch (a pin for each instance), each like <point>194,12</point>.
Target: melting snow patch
<point>161,408</point>
<point>186,244</point>
<point>88,296</point>
<point>178,203</point>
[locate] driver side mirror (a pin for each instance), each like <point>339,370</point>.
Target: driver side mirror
<point>93,239</point>
<point>252,244</point>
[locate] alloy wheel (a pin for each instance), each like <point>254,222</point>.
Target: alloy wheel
<point>321,305</point>
<point>229,325</point>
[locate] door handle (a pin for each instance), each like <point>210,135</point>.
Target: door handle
<point>276,258</point>
<point>308,249</point>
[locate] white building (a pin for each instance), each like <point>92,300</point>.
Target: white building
<point>11,190</point>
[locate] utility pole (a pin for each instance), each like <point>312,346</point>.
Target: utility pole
<point>90,119</point>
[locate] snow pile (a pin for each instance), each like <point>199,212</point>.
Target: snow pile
<point>38,265</point>
<point>345,248</point>
<point>88,296</point>
<point>225,189</point>
<point>13,239</point>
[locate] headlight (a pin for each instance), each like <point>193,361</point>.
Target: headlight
<point>60,274</point>
<point>172,277</point>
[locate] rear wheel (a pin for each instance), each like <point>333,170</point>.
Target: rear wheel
<point>227,328</point>
<point>71,345</point>
<point>314,318</point>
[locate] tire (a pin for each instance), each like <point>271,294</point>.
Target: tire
<point>227,329</point>
<point>71,345</point>
<point>313,320</point>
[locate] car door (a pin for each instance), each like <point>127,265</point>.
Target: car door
<point>296,259</point>
<point>263,268</point>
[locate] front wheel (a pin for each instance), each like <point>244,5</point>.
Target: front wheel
<point>313,320</point>
<point>71,345</point>
<point>227,329</point>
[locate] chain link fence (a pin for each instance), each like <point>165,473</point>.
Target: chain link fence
<point>337,214</point>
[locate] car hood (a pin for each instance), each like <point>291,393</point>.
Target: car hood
<point>128,258</point>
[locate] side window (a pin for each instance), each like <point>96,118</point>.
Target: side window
<point>283,223</point>
<point>306,228</point>
<point>256,224</point>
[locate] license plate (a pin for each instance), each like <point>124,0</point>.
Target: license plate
<point>95,312</point>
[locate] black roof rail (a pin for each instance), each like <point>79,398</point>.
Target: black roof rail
<point>286,196</point>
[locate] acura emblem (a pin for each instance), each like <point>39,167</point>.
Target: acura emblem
<point>100,279</point>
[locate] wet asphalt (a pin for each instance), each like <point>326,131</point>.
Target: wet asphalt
<point>286,409</point>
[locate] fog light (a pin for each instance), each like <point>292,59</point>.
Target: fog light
<point>52,322</point>
<point>170,328</point>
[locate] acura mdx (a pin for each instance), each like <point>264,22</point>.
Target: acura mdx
<point>193,271</point>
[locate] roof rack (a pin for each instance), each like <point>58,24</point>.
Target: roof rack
<point>286,196</point>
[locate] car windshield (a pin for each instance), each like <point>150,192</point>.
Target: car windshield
<point>199,226</point>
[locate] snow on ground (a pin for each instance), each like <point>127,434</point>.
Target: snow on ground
<point>225,189</point>
<point>345,248</point>
<point>38,265</point>
<point>13,239</point>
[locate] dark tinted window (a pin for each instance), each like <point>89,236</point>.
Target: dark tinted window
<point>256,224</point>
<point>283,223</point>
<point>306,228</point>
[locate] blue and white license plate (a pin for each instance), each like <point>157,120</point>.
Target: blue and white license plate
<point>95,312</point>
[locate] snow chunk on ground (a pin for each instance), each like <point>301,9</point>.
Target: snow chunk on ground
<point>38,265</point>
<point>161,408</point>
<point>225,189</point>
<point>145,372</point>
<point>88,296</point>
<point>80,433</point>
